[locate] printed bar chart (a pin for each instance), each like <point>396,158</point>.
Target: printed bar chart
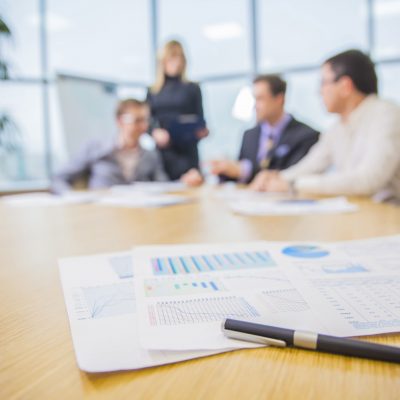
<point>173,287</point>
<point>211,262</point>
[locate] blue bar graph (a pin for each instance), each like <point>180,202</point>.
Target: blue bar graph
<point>211,262</point>
<point>181,286</point>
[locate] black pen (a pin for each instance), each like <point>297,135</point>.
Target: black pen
<point>281,337</point>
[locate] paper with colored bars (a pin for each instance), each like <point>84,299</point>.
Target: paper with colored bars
<point>344,289</point>
<point>101,304</point>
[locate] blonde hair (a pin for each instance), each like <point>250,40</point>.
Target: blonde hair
<point>169,48</point>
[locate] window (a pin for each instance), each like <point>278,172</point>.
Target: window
<point>215,34</point>
<point>304,32</point>
<point>387,28</point>
<point>113,42</point>
<point>26,161</point>
<point>389,84</point>
<point>22,52</point>
<point>226,130</point>
<point>304,101</point>
<point>100,39</point>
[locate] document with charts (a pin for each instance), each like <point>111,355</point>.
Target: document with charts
<point>358,293</point>
<point>184,292</point>
<point>100,299</point>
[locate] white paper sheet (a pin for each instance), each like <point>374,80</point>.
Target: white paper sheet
<point>142,200</point>
<point>184,292</point>
<point>101,305</point>
<point>150,187</point>
<point>46,199</point>
<point>293,206</point>
<point>231,193</point>
<point>355,288</point>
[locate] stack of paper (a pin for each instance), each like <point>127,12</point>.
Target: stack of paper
<point>140,197</point>
<point>101,304</point>
<point>163,304</point>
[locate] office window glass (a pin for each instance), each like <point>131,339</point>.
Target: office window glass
<point>106,39</point>
<point>215,34</point>
<point>305,32</point>
<point>389,83</point>
<point>129,92</point>
<point>387,28</point>
<point>226,129</point>
<point>304,101</point>
<point>22,148</point>
<point>22,51</point>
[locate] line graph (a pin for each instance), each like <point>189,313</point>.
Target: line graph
<point>104,301</point>
<point>287,300</point>
<point>202,310</point>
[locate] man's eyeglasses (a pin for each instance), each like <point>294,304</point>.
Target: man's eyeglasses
<point>325,82</point>
<point>129,119</point>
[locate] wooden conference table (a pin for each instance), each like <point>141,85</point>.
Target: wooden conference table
<point>37,359</point>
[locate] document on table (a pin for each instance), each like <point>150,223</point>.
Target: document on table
<point>184,292</point>
<point>42,199</point>
<point>231,193</point>
<point>355,289</point>
<point>292,206</point>
<point>100,300</point>
<point>150,187</point>
<point>142,200</point>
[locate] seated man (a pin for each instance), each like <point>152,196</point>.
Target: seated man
<point>116,161</point>
<point>277,142</point>
<point>360,154</point>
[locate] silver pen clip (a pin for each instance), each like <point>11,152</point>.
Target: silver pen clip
<point>253,338</point>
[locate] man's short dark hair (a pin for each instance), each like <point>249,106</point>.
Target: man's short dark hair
<point>358,67</point>
<point>275,82</point>
<point>124,105</point>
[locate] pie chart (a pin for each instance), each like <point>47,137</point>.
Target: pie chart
<point>305,251</point>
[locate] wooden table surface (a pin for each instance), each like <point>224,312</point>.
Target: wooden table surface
<point>37,359</point>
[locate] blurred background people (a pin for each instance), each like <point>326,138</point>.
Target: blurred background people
<point>116,161</point>
<point>277,142</point>
<point>174,100</point>
<point>359,155</point>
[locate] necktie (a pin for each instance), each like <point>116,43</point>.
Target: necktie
<point>269,144</point>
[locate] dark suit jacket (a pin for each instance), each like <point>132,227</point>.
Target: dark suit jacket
<point>295,141</point>
<point>174,99</point>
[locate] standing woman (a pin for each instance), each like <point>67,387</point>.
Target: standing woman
<point>173,96</point>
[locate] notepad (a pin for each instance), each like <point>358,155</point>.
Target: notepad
<point>183,129</point>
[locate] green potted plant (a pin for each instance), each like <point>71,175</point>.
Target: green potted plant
<point>10,140</point>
